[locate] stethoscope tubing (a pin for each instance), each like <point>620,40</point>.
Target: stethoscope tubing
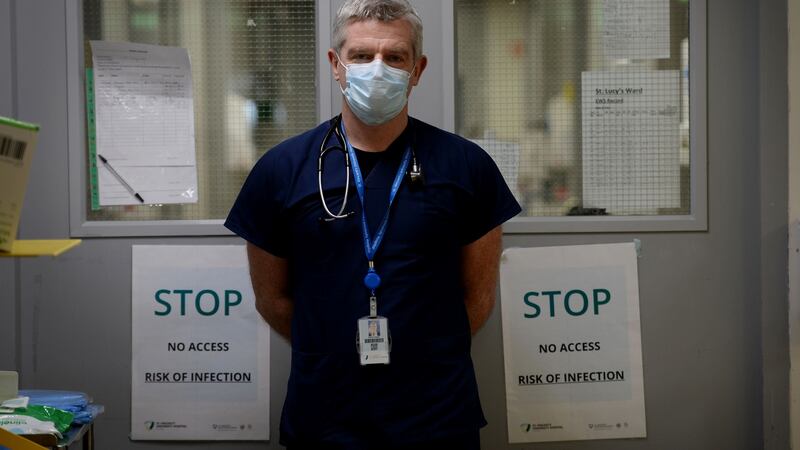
<point>416,171</point>
<point>320,167</point>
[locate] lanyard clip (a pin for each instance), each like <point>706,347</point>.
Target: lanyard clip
<point>373,306</point>
<point>371,279</point>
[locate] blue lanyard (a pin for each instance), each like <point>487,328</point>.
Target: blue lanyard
<point>372,281</point>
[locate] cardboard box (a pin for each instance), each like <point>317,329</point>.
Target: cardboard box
<point>9,385</point>
<point>17,141</point>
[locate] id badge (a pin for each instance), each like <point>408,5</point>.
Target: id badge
<point>373,340</point>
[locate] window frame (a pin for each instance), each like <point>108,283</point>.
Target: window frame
<point>80,226</point>
<point>697,220</point>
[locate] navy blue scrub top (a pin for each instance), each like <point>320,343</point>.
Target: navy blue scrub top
<point>429,389</point>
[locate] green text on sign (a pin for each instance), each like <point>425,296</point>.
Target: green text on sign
<point>206,302</point>
<point>575,302</point>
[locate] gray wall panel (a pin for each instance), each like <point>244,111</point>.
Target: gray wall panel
<point>774,145</point>
<point>8,315</point>
<point>734,298</point>
<point>708,299</point>
<point>41,94</point>
<point>8,299</point>
<point>6,66</point>
<point>40,56</point>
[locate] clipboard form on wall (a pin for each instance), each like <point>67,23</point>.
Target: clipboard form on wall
<point>141,125</point>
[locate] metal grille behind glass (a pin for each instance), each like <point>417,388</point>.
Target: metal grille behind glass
<point>254,71</point>
<point>582,103</point>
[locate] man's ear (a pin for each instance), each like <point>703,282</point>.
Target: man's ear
<point>335,67</point>
<point>422,63</point>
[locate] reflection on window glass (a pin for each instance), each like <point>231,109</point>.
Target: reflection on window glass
<point>254,74</point>
<point>583,104</point>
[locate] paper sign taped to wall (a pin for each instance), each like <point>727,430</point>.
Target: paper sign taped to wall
<point>200,367</point>
<point>631,141</point>
<point>572,343</point>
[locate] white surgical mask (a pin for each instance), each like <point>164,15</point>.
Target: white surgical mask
<point>375,92</point>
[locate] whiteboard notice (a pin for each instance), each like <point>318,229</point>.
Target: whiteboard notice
<point>631,141</point>
<point>636,29</point>
<point>572,343</point>
<point>200,351</point>
<point>144,124</point>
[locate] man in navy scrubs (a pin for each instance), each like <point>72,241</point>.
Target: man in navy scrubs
<point>413,253</point>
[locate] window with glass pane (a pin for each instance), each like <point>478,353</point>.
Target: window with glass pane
<point>584,104</point>
<point>254,71</point>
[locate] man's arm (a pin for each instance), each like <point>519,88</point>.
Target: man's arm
<point>270,277</point>
<point>480,261</point>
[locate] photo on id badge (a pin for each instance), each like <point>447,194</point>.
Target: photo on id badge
<point>374,328</point>
<point>373,342</point>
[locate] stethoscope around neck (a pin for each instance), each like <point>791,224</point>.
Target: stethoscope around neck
<point>414,172</point>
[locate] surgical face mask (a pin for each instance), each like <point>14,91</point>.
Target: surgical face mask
<point>375,92</point>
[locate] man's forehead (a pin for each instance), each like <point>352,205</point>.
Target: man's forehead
<point>370,46</point>
<point>396,35</point>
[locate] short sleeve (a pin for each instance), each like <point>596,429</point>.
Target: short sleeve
<point>258,214</point>
<point>492,202</point>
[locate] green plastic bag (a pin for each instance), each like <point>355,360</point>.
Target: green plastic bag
<point>61,419</point>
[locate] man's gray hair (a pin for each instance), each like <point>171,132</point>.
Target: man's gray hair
<point>383,10</point>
